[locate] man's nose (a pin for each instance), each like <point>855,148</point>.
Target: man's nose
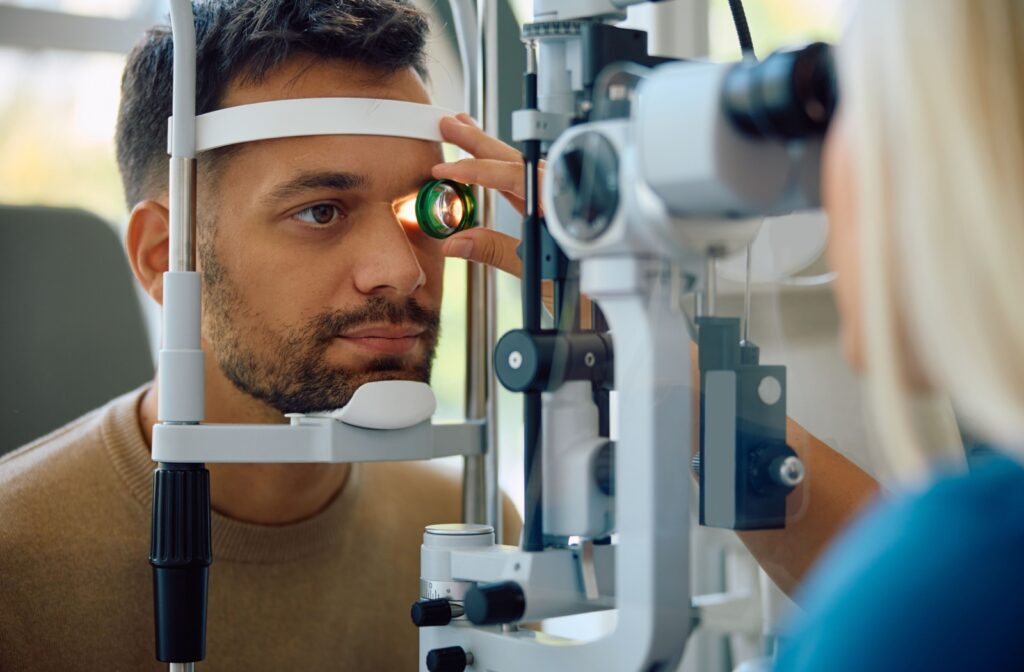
<point>386,261</point>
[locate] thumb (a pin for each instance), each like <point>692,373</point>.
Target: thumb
<point>486,247</point>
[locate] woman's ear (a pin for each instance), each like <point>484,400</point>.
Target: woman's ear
<point>147,245</point>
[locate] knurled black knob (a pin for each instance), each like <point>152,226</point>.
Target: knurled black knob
<point>431,612</point>
<point>495,603</point>
<point>449,659</point>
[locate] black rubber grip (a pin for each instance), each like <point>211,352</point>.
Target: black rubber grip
<point>181,554</point>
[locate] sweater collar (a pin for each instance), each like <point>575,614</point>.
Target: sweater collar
<point>233,540</point>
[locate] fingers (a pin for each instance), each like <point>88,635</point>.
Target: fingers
<point>503,176</point>
<point>495,166</point>
<point>486,247</point>
<point>461,131</point>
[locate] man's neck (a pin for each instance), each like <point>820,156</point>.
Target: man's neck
<point>267,494</point>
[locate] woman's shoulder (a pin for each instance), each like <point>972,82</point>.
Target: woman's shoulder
<point>930,581</point>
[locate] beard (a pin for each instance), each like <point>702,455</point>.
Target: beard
<point>289,371</point>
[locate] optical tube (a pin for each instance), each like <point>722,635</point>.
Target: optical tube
<point>790,95</point>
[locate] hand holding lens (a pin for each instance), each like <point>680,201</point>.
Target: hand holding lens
<point>445,207</point>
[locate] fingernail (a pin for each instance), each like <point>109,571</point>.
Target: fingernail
<point>459,248</point>
<point>466,119</point>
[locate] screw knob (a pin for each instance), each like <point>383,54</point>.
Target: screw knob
<point>787,471</point>
<point>448,659</point>
<point>427,613</point>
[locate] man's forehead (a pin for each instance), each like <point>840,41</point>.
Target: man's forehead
<point>380,162</point>
<point>384,165</point>
<point>304,76</point>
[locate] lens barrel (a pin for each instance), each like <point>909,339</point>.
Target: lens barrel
<point>790,95</point>
<point>444,207</point>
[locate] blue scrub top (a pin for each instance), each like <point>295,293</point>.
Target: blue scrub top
<point>930,582</point>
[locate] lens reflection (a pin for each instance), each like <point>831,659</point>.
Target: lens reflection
<point>444,207</point>
<point>448,208</point>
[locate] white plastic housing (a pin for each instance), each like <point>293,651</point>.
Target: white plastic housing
<point>573,504</point>
<point>692,156</point>
<point>181,357</point>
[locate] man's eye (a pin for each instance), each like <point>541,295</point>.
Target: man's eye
<point>320,214</point>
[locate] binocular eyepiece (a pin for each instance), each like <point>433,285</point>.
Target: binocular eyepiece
<point>790,95</point>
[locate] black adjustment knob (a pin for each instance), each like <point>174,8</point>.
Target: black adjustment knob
<point>495,603</point>
<point>431,612</point>
<point>448,659</point>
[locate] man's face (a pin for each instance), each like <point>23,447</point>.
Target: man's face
<point>313,284</point>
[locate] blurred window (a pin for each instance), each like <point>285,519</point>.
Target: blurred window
<point>773,24</point>
<point>116,9</point>
<point>57,116</point>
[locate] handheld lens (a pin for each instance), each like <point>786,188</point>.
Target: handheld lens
<point>444,207</point>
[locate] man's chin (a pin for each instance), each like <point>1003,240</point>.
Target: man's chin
<point>377,376</point>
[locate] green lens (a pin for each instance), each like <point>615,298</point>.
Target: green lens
<point>444,207</point>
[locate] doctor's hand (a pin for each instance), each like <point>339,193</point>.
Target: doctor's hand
<point>494,165</point>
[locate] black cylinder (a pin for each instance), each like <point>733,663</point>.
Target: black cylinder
<point>495,603</point>
<point>792,94</point>
<point>431,612</point>
<point>448,659</point>
<point>181,554</point>
<point>539,362</point>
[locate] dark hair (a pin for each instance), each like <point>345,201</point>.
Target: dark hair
<point>246,40</point>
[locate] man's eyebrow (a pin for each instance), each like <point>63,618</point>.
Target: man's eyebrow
<point>339,181</point>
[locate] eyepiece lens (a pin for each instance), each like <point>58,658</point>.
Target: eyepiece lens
<point>444,207</point>
<point>790,95</point>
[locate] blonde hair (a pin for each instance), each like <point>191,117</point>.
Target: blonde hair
<point>933,96</point>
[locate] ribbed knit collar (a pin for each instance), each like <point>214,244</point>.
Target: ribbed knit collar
<point>233,540</point>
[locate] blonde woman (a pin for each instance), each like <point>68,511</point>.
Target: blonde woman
<point>924,187</point>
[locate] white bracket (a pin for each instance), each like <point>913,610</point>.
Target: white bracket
<point>537,125</point>
<point>316,116</point>
<point>384,421</point>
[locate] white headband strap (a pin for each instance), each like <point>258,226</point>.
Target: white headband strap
<point>316,116</point>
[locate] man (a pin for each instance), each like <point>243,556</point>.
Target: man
<point>312,286</point>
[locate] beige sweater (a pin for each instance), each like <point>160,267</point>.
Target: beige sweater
<point>329,593</point>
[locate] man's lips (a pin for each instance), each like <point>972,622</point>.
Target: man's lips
<point>385,339</point>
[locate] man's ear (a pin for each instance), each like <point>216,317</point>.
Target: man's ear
<point>147,245</point>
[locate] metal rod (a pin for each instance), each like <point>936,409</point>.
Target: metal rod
<point>474,487</point>
<point>533,518</point>
<point>183,214</point>
<point>746,298</point>
<point>711,287</point>
<point>493,494</point>
<point>190,582</point>
<point>481,495</point>
<point>487,97</point>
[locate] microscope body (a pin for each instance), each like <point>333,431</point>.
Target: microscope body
<point>653,168</point>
